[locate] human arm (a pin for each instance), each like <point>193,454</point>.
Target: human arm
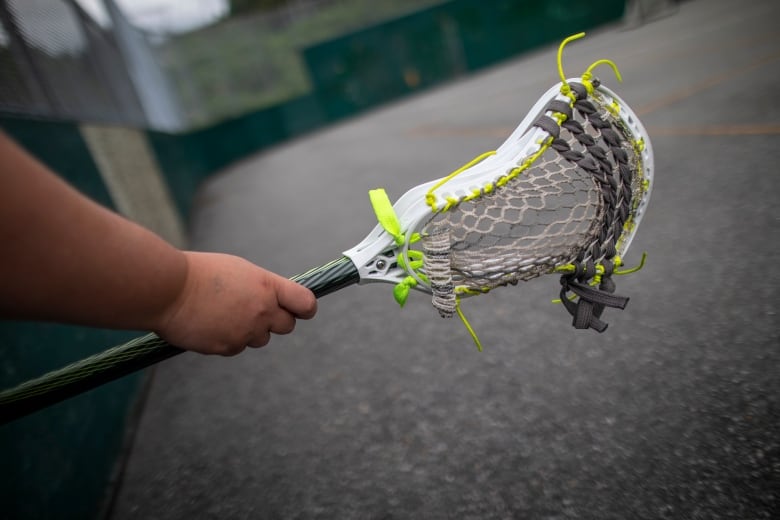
<point>66,258</point>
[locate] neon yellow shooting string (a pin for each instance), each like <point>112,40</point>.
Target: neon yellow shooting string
<point>430,197</point>
<point>589,70</point>
<point>633,269</point>
<point>566,90</point>
<point>467,324</point>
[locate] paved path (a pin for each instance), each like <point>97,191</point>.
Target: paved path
<point>370,411</point>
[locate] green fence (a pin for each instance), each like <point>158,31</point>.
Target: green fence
<point>381,63</point>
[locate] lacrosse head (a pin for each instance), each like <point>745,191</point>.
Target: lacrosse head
<point>564,194</point>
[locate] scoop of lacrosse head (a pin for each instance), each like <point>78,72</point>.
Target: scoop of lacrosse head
<point>564,194</point>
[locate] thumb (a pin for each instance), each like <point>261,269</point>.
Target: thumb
<point>296,298</point>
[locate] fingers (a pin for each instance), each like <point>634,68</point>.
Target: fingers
<point>230,303</point>
<point>260,340</point>
<point>281,323</point>
<point>293,301</point>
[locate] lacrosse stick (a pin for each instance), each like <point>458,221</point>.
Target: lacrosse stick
<point>564,194</point>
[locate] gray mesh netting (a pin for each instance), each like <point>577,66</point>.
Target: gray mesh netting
<point>569,208</point>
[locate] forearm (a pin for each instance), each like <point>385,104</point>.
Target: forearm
<point>66,258</point>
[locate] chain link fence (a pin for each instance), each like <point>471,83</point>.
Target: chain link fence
<point>57,62</point>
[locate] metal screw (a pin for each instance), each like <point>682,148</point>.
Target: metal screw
<point>381,264</point>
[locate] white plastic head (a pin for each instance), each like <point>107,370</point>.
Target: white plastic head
<point>564,193</point>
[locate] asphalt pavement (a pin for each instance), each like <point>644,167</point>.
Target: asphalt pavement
<point>374,412</point>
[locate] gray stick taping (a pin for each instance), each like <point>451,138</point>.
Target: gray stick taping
<point>436,262</point>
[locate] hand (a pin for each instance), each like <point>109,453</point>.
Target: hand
<point>228,304</point>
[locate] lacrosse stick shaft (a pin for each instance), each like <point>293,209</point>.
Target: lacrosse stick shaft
<point>137,354</point>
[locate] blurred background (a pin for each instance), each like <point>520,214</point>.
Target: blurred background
<point>166,111</point>
<point>169,65</point>
<point>183,65</point>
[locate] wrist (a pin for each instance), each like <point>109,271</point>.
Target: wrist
<point>176,294</point>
